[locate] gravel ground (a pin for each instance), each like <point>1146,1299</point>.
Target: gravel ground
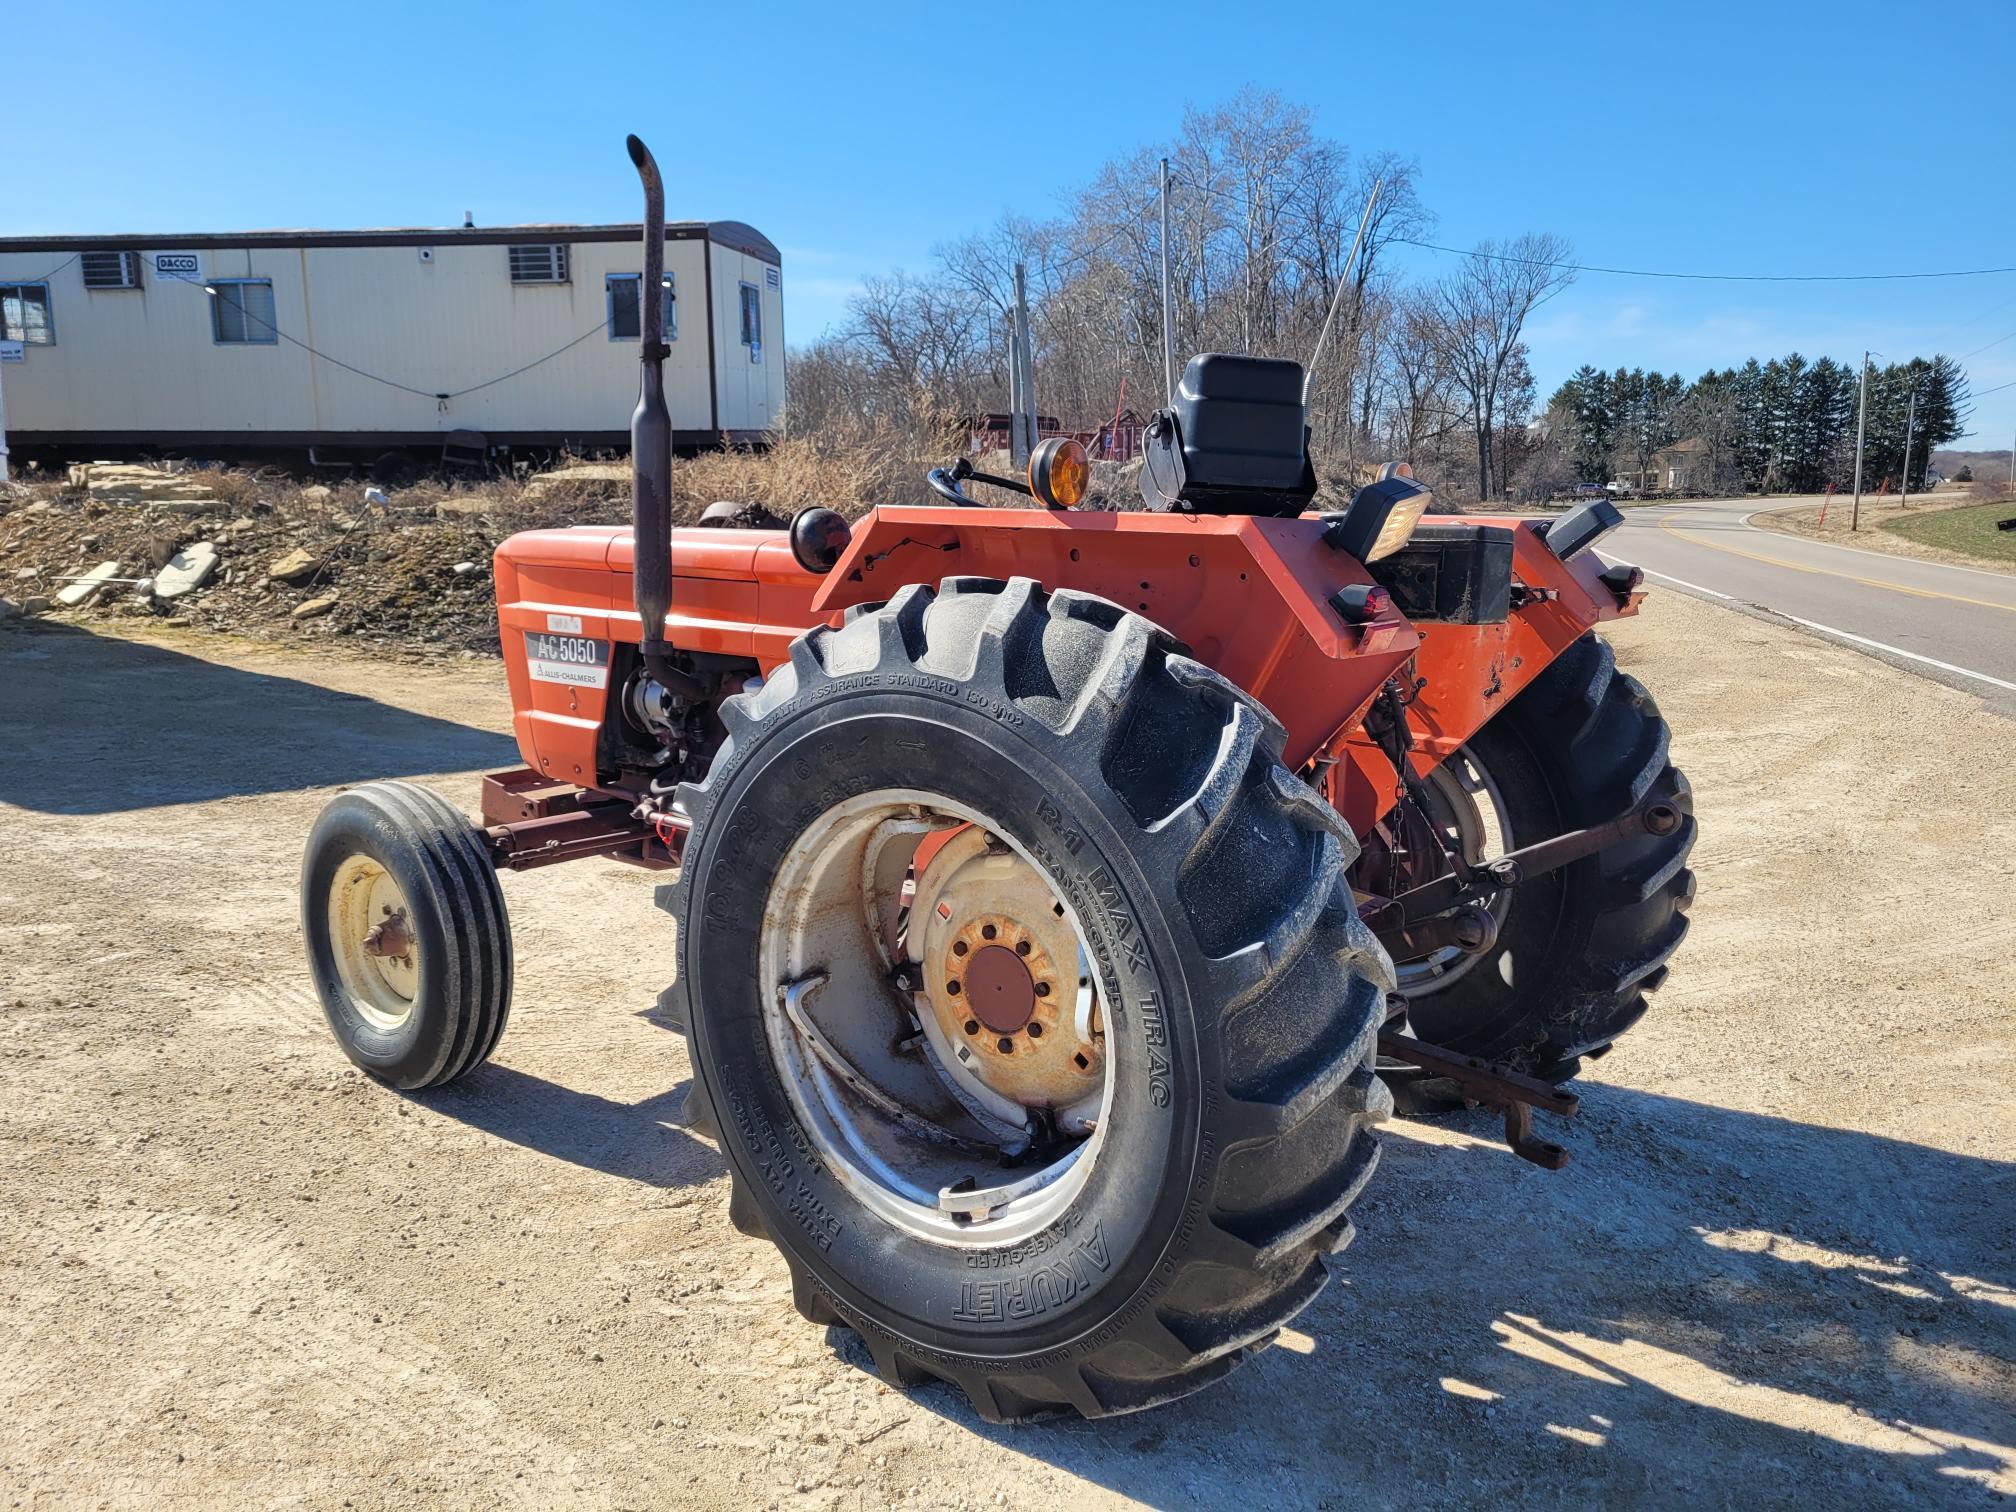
<point>1781,1269</point>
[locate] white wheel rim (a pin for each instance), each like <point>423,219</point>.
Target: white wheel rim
<point>381,987</point>
<point>1483,828</point>
<point>848,1044</point>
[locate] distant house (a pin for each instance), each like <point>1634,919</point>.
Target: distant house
<point>1679,468</point>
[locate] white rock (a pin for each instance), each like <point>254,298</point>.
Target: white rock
<point>187,570</point>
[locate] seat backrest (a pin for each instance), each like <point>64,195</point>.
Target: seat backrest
<point>1234,441</point>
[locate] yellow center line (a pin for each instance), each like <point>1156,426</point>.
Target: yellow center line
<point>1771,561</point>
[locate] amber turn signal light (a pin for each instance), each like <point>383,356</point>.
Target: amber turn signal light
<point>1060,473</point>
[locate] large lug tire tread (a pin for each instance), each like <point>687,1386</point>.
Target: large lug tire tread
<point>1298,982</point>
<point>1586,743</point>
<point>445,872</point>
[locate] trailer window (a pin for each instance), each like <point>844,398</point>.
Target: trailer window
<point>241,312</point>
<point>24,314</point>
<point>752,321</point>
<point>539,264</point>
<point>626,314</point>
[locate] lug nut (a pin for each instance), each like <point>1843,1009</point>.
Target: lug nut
<point>953,988</point>
<point>972,1026</point>
<point>1005,1045</point>
<point>1035,1030</point>
<point>1022,947</point>
<point>1042,989</point>
<point>959,947</point>
<point>988,931</point>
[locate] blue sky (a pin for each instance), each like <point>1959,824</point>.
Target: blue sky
<point>1757,137</point>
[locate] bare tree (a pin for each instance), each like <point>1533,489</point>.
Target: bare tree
<point>1480,312</point>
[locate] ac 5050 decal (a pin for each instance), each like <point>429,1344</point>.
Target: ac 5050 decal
<point>571,659</point>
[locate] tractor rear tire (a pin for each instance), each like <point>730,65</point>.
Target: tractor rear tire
<point>1579,948</point>
<point>1241,994</point>
<point>435,1012</point>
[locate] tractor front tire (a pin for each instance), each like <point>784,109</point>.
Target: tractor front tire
<point>1580,948</point>
<point>1241,996</point>
<point>392,865</point>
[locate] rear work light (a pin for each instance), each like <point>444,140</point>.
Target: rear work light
<point>1379,518</point>
<point>1581,528</point>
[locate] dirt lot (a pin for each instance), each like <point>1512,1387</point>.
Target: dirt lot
<point>1804,519</point>
<point>1782,1268</point>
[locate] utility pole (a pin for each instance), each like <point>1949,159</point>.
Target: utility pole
<point>1021,375</point>
<point>1910,420</point>
<point>10,351</point>
<point>1014,387</point>
<point>1861,427</point>
<point>1168,317</point>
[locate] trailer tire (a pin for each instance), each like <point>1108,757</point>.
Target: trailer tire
<point>1242,994</point>
<point>1579,949</point>
<point>436,1014</point>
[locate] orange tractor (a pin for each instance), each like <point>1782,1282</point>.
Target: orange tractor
<point>1062,894</point>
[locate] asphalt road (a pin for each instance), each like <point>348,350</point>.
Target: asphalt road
<point>1954,624</point>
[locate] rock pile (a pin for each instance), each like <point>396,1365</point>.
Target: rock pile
<point>257,553</point>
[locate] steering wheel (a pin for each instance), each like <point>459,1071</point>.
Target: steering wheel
<point>945,481</point>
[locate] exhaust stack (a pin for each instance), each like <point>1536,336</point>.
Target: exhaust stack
<point>651,445</point>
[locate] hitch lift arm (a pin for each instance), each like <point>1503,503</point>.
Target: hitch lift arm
<point>1486,1084</point>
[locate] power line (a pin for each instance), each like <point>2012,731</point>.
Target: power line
<point>1980,349</point>
<point>1542,262</point>
<point>1084,255</point>
<point>46,276</point>
<point>434,394</point>
<point>1574,267</point>
<point>1692,277</point>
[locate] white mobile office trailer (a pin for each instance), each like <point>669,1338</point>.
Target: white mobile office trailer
<point>363,343</point>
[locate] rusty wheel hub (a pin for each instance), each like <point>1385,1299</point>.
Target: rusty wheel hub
<point>371,933</point>
<point>934,1019</point>
<point>1007,985</point>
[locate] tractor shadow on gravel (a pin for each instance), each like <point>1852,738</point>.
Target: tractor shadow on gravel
<point>94,724</point>
<point>1709,1307</point>
<point>643,1141</point>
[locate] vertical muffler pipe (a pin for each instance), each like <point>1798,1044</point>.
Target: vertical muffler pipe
<point>651,446</point>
